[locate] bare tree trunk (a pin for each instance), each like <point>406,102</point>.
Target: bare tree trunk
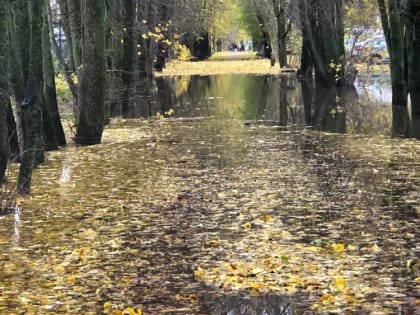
<point>4,87</point>
<point>128,53</point>
<point>283,29</point>
<point>393,26</point>
<point>92,81</point>
<point>32,104</point>
<point>75,23</point>
<point>53,129</point>
<point>413,28</point>
<point>322,30</point>
<point>64,16</point>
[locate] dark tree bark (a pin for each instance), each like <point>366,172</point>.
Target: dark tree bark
<point>4,88</point>
<point>64,16</point>
<point>75,25</point>
<point>306,65</point>
<point>128,53</point>
<point>394,30</point>
<point>32,104</point>
<point>142,84</point>
<point>323,32</point>
<point>201,47</point>
<point>113,34</point>
<point>413,29</point>
<point>53,129</point>
<point>283,29</point>
<point>92,81</point>
<point>12,134</point>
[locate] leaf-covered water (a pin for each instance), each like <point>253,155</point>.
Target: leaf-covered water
<point>214,216</point>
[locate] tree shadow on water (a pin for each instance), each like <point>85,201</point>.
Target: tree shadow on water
<point>229,304</point>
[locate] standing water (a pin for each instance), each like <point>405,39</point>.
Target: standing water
<point>252,196</point>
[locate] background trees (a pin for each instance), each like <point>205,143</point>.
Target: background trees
<point>109,51</point>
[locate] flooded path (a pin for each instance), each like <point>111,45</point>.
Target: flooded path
<point>218,214</point>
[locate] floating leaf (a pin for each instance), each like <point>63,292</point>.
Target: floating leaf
<point>340,283</point>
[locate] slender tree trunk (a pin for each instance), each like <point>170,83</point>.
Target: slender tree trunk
<point>53,129</point>
<point>4,87</point>
<point>64,68</point>
<point>32,104</point>
<point>18,40</point>
<point>64,15</point>
<point>113,32</point>
<point>128,53</point>
<point>75,22</point>
<point>282,30</point>
<point>92,81</point>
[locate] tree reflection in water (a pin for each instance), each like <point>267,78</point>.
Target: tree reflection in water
<point>284,101</point>
<point>238,305</point>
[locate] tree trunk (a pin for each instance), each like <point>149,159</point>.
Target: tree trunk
<point>4,87</point>
<point>413,28</point>
<point>282,30</point>
<point>53,129</point>
<point>323,30</point>
<point>92,81</point>
<point>114,28</point>
<point>393,26</point>
<point>65,20</point>
<point>128,53</point>
<point>32,104</point>
<point>75,23</point>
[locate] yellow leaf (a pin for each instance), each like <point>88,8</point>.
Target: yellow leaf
<point>199,273</point>
<point>129,311</point>
<point>266,217</point>
<point>107,307</point>
<point>72,279</point>
<point>340,283</point>
<point>327,299</point>
<point>214,243</point>
<point>139,311</point>
<point>313,249</point>
<point>375,248</point>
<point>339,247</point>
<point>193,298</point>
<point>247,226</point>
<point>351,247</point>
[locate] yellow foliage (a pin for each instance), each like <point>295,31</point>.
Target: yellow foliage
<point>341,284</point>
<point>326,299</point>
<point>182,53</point>
<point>247,226</point>
<point>132,311</point>
<point>199,273</point>
<point>214,243</point>
<point>351,247</point>
<point>339,247</point>
<point>266,217</point>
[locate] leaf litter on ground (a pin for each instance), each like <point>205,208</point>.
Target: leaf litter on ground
<point>330,221</point>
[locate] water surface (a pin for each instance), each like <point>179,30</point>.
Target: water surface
<point>231,180</point>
